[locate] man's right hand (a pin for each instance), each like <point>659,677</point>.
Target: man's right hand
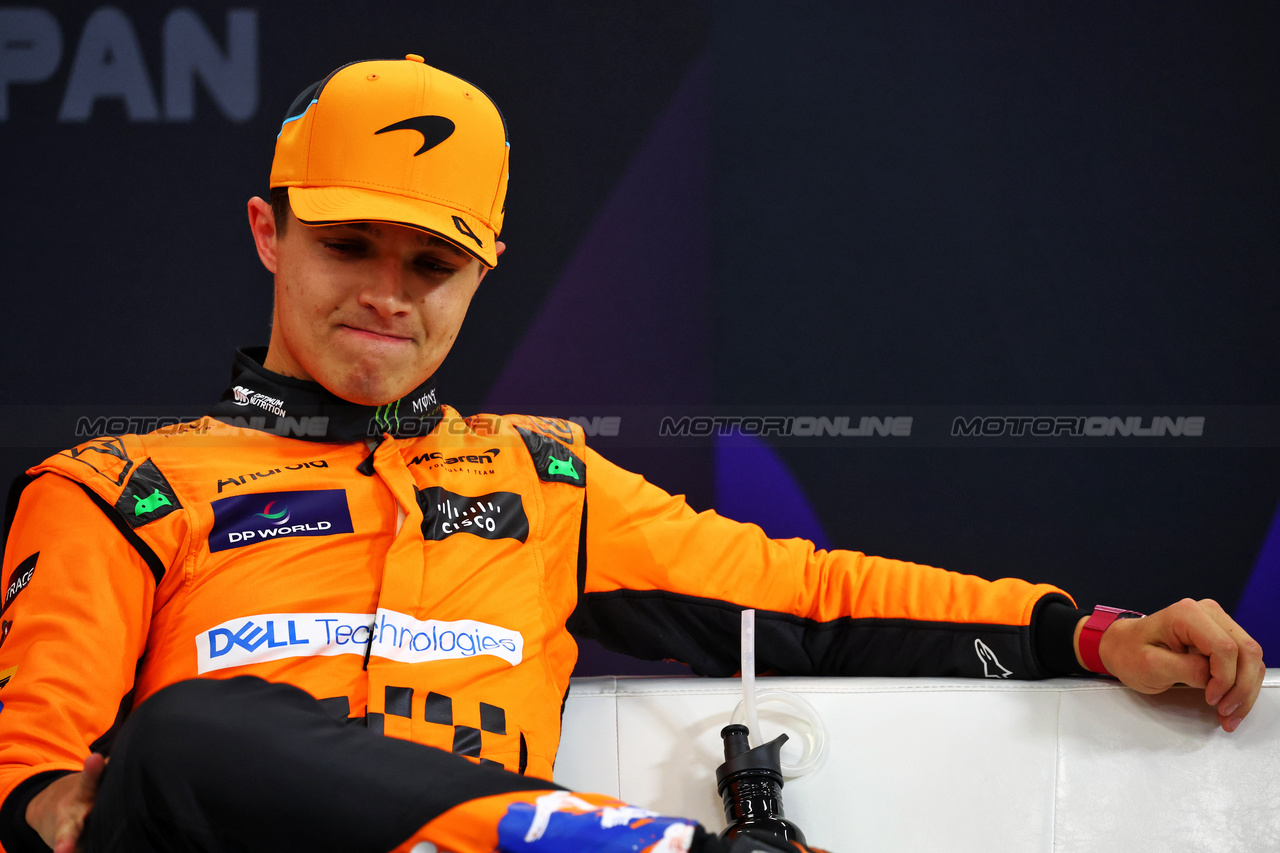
<point>57,813</point>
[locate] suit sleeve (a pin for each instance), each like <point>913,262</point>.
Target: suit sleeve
<point>77,606</point>
<point>661,581</point>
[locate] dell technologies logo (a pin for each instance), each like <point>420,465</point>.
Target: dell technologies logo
<point>388,634</point>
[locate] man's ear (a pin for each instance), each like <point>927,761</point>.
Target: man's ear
<point>262,223</point>
<point>498,247</point>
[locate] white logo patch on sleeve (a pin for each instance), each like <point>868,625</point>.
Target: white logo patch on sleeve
<point>991,666</point>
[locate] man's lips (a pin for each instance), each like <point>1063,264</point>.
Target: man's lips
<point>383,336</point>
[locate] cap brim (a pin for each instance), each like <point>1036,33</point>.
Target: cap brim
<point>334,205</point>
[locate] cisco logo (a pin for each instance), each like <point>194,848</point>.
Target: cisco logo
<point>498,515</point>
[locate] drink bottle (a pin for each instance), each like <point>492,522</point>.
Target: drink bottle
<point>750,782</point>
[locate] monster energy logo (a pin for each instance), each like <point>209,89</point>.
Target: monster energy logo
<point>387,418</point>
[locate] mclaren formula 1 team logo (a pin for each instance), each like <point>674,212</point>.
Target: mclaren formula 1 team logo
<point>434,130</point>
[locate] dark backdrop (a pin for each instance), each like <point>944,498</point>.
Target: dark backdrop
<point>939,211</point>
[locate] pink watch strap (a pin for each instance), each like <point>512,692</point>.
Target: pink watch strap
<point>1091,635</point>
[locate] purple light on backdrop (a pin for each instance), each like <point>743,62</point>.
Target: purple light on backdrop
<point>1260,600</point>
<point>754,484</point>
<point>629,312</point>
<point>626,324</point>
<point>635,295</point>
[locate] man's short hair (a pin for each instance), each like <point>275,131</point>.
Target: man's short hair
<point>280,208</point>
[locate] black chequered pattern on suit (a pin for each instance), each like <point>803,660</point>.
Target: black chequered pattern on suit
<point>467,740</point>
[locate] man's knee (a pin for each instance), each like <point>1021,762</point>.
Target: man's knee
<point>200,716</point>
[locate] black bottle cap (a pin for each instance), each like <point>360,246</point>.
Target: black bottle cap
<point>763,760</point>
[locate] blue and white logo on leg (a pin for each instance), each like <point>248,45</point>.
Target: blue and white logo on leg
<point>563,823</point>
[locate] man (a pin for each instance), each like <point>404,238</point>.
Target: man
<point>335,614</point>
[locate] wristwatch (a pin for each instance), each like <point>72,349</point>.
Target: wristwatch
<point>1091,635</point>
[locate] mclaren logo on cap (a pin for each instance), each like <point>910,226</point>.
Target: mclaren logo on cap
<point>434,130</point>
<point>464,228</point>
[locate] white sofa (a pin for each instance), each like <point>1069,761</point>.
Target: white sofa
<point>950,764</point>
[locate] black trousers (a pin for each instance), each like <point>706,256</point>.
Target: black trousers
<point>246,765</point>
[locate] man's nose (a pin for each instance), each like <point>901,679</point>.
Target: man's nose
<point>386,290</point>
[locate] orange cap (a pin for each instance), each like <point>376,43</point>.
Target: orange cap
<point>397,141</point>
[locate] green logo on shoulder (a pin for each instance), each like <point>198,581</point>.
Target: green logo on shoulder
<point>153,498</point>
<point>554,462</point>
<point>563,467</point>
<point>150,503</point>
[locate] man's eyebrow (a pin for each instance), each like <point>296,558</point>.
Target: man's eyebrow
<point>431,241</point>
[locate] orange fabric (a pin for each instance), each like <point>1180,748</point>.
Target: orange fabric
<point>79,626</point>
<point>470,624</point>
<point>694,553</point>
<point>92,606</point>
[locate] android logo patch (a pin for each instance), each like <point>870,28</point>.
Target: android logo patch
<point>147,497</point>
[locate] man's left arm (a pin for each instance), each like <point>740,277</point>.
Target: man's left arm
<point>663,581</point>
<point>1191,642</point>
<point>658,580</point>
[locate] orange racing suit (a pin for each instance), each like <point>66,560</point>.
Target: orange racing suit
<point>423,571</point>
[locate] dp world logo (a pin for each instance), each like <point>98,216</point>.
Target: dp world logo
<point>250,519</point>
<point>273,515</point>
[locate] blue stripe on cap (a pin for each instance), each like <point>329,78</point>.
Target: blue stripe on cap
<point>302,114</point>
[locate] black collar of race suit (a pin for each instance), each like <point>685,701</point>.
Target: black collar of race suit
<point>261,399</point>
